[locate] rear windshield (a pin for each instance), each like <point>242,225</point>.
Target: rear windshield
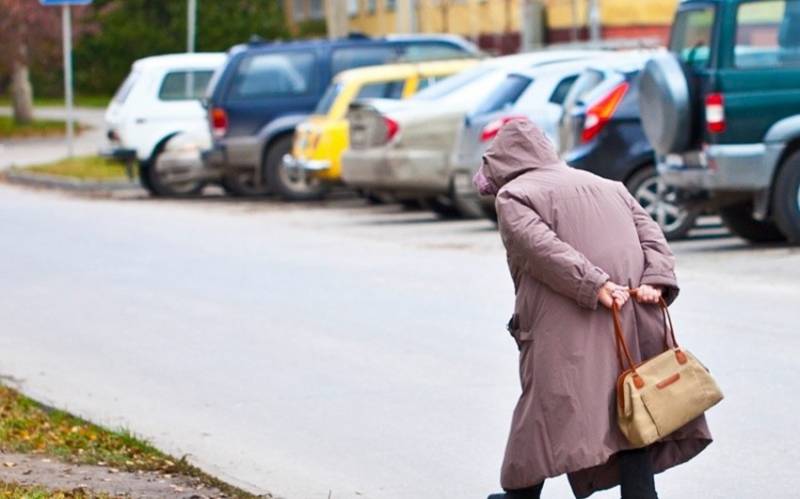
<point>278,74</point>
<point>505,95</point>
<point>453,83</point>
<point>125,89</point>
<point>691,35</point>
<point>767,34</point>
<point>184,85</point>
<point>328,98</point>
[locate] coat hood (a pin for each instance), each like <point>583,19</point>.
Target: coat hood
<point>519,147</point>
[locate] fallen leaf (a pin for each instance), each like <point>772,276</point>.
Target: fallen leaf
<point>9,464</point>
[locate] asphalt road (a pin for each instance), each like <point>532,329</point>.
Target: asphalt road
<point>25,152</point>
<point>345,351</point>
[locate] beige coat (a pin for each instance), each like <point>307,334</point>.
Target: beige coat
<point>566,232</point>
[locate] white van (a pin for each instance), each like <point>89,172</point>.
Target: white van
<point>160,101</point>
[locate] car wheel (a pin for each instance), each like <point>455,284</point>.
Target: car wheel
<point>442,206</point>
<point>739,219</point>
<point>289,184</point>
<point>242,183</point>
<point>660,202</point>
<point>466,199</point>
<point>157,181</point>
<point>786,198</point>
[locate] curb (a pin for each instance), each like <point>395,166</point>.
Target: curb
<point>21,177</point>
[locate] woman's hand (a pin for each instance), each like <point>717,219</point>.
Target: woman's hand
<point>612,292</point>
<point>647,294</point>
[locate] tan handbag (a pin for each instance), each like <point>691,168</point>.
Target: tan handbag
<point>663,393</point>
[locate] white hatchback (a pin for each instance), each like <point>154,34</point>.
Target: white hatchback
<point>156,118</point>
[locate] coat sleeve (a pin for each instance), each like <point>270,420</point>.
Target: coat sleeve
<point>659,262</point>
<point>536,249</point>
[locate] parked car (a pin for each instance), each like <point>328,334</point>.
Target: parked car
<point>604,135</point>
<point>266,89</point>
<point>320,140</point>
<point>408,151</point>
<point>537,94</point>
<point>158,100</point>
<point>723,113</point>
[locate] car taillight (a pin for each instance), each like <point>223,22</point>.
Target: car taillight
<point>219,122</point>
<point>493,128</point>
<point>597,116</point>
<point>391,128</point>
<point>715,113</point>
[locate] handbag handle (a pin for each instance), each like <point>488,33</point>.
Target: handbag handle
<point>623,353</point>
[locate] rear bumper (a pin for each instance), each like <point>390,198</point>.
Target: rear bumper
<point>740,167</point>
<point>234,153</point>
<point>405,171</point>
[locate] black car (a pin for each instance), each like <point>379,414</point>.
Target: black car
<point>602,132</point>
<point>265,89</point>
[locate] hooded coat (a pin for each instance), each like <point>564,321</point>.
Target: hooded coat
<point>566,233</point>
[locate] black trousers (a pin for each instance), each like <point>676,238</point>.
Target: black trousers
<point>636,478</point>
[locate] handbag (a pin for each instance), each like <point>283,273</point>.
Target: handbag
<point>663,393</point>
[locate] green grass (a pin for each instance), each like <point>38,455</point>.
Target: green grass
<point>39,128</point>
<point>80,100</point>
<point>17,491</point>
<point>83,168</point>
<point>28,427</point>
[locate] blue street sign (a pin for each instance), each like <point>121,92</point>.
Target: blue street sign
<point>64,2</point>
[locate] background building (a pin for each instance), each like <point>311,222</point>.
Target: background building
<point>495,25</point>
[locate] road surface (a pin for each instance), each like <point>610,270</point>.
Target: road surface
<point>345,351</point>
<point>26,152</point>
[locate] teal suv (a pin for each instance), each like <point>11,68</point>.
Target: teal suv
<point>722,111</point>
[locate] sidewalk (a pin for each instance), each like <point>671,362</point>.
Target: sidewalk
<point>25,152</point>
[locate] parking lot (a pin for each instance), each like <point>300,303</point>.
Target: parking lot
<point>344,350</point>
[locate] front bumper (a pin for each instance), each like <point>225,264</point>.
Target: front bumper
<point>397,171</point>
<point>740,167</point>
<point>305,166</point>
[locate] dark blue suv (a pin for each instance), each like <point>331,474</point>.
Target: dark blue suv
<point>265,89</point>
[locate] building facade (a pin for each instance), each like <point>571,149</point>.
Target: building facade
<point>496,25</point>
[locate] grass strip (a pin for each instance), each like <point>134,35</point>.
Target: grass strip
<point>82,168</point>
<point>29,427</point>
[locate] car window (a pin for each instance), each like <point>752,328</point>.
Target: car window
<point>384,90</point>
<point>430,50</point>
<point>427,81</point>
<point>584,84</point>
<point>328,98</point>
<point>767,34</point>
<point>273,75</point>
<point>184,85</point>
<point>561,90</point>
<point>691,35</point>
<point>125,89</point>
<point>356,57</point>
<point>504,95</point>
<point>453,83</point>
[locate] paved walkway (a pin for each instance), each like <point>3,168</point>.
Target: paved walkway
<point>24,152</point>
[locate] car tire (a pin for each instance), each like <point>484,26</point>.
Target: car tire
<point>666,97</point>
<point>786,198</point>
<point>289,186</point>
<point>240,184</point>
<point>739,219</point>
<point>660,203</point>
<point>155,184</point>
<point>465,198</point>
<point>442,206</point>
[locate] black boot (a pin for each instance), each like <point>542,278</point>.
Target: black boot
<point>534,492</point>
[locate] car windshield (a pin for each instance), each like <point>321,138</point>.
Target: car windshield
<point>453,83</point>
<point>505,95</point>
<point>691,35</point>
<point>328,98</point>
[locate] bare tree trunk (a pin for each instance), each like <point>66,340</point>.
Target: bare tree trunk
<point>336,18</point>
<point>21,95</point>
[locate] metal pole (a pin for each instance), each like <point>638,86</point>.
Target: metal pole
<point>66,29</point>
<point>191,22</point>
<point>594,21</point>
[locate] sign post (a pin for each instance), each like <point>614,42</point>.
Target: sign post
<point>66,31</point>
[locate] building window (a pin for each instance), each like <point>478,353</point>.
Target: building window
<point>371,6</point>
<point>298,10</point>
<point>316,10</point>
<point>352,7</point>
<point>390,4</point>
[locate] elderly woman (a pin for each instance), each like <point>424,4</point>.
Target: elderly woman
<point>575,243</point>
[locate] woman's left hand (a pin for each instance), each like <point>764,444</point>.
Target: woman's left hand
<point>646,294</point>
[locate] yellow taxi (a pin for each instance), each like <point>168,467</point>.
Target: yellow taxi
<point>320,140</point>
